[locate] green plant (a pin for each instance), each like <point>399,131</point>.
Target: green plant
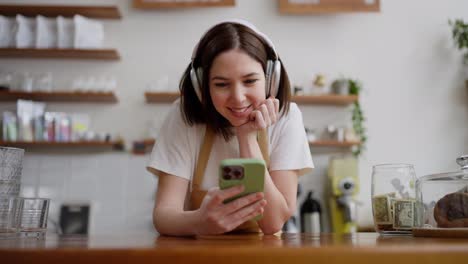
<point>358,118</point>
<point>460,36</point>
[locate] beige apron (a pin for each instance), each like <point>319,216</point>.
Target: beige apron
<point>197,194</point>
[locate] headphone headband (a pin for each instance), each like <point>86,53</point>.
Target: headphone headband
<point>240,22</point>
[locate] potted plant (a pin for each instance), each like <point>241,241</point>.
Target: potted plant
<point>460,38</point>
<point>358,118</point>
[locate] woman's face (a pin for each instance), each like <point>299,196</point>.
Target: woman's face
<point>237,85</point>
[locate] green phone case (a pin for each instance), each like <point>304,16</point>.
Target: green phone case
<point>248,172</point>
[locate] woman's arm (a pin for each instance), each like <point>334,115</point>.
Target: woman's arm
<point>169,217</point>
<point>213,216</point>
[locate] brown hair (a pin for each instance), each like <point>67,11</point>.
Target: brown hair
<point>221,38</point>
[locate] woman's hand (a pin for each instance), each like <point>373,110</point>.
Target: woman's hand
<point>263,116</point>
<point>215,217</point>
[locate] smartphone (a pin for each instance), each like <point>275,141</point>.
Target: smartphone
<point>248,172</point>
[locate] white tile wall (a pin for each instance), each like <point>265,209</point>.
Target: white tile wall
<point>117,186</point>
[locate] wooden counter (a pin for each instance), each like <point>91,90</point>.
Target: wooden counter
<point>360,248</point>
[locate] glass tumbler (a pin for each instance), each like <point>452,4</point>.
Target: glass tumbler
<point>11,166</point>
<point>394,206</point>
<point>32,216</point>
<point>8,216</point>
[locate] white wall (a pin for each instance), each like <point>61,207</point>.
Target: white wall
<point>414,99</point>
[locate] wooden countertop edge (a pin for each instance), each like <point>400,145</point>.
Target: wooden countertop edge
<point>203,250</point>
<point>245,256</point>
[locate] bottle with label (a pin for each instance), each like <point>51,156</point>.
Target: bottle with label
<point>310,215</point>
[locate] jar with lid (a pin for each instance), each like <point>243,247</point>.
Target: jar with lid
<point>444,198</point>
<point>394,198</point>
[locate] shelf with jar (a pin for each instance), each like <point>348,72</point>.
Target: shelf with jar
<point>41,87</point>
<point>159,4</point>
<point>304,7</point>
<point>55,32</point>
<point>328,99</point>
<point>32,126</point>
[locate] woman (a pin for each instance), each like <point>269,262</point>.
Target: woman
<point>235,103</point>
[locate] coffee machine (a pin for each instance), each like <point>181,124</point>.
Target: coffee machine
<point>344,185</point>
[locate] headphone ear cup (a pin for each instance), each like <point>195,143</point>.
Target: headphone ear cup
<point>196,82</point>
<point>269,67</point>
<point>275,78</point>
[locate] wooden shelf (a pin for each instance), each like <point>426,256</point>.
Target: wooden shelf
<point>161,97</point>
<point>149,142</point>
<point>84,144</point>
<point>60,96</point>
<point>94,54</point>
<point>154,4</point>
<point>328,99</point>
<point>334,144</point>
<point>106,12</point>
<point>328,6</point>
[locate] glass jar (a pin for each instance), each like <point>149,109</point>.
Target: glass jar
<point>6,79</point>
<point>394,198</point>
<point>444,198</point>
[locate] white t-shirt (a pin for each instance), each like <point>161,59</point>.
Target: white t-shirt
<point>178,145</point>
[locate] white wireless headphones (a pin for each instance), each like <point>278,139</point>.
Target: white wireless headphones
<point>273,69</point>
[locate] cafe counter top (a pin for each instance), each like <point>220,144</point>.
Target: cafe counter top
<point>359,248</point>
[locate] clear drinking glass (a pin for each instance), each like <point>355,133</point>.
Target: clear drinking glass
<point>11,163</point>
<point>11,166</point>
<point>8,216</point>
<point>393,193</point>
<point>32,216</point>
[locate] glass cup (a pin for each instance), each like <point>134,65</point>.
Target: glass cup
<point>8,216</point>
<point>32,216</point>
<point>393,193</point>
<point>11,163</point>
<point>11,166</point>
<point>5,80</point>
<point>10,188</point>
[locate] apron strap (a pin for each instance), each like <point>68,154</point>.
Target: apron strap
<point>262,139</point>
<point>203,157</point>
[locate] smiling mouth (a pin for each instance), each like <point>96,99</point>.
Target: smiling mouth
<point>239,111</point>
